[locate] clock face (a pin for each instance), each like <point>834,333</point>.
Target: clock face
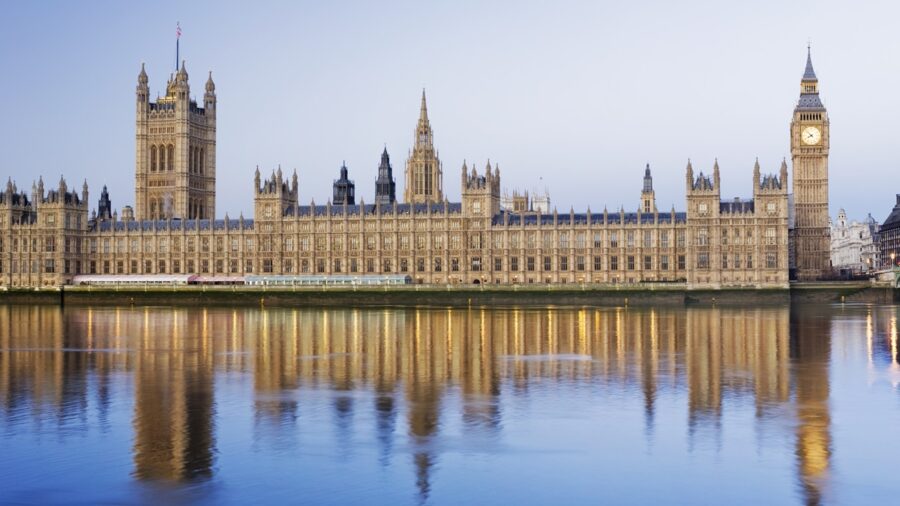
<point>811,135</point>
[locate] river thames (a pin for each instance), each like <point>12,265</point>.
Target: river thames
<point>699,405</point>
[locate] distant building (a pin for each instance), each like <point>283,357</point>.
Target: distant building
<point>889,237</point>
<point>853,248</point>
<point>526,201</point>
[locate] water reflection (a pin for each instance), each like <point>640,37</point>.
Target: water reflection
<point>412,375</point>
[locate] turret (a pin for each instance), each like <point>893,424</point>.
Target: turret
<point>716,174</point>
<point>756,174</point>
<point>84,192</point>
<point>344,190</point>
<point>385,187</point>
<point>648,196</point>
<point>209,98</point>
<point>142,92</point>
<point>689,175</point>
<point>104,205</point>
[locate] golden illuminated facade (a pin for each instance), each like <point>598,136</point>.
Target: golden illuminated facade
<point>175,169</point>
<point>715,243</point>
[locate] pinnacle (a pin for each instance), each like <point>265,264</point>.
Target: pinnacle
<point>423,111</point>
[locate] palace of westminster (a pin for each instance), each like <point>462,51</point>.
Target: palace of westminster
<point>51,235</point>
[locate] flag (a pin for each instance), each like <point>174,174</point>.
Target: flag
<point>178,30</point>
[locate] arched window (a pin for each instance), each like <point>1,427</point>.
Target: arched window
<point>152,158</point>
<point>201,163</point>
<point>171,158</point>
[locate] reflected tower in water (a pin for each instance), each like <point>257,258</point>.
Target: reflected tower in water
<point>811,353</point>
<point>174,404</point>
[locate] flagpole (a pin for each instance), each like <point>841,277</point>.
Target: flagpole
<point>177,42</point>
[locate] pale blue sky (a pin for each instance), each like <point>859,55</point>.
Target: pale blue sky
<point>582,94</point>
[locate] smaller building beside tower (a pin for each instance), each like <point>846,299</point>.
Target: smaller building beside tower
<point>853,247</point>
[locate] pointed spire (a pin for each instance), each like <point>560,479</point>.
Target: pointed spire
<point>142,76</point>
<point>210,85</point>
<point>423,111</point>
<point>809,74</point>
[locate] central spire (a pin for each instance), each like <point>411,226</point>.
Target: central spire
<point>423,111</point>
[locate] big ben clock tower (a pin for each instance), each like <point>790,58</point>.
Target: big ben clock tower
<point>809,155</point>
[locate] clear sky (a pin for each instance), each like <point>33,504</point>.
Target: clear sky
<point>572,96</point>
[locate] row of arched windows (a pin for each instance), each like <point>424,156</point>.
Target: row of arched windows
<point>162,158</point>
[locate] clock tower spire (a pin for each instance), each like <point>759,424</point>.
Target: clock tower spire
<point>810,236</point>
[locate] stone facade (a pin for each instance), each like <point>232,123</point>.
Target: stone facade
<point>853,246</point>
<point>809,154</point>
<point>175,169</point>
<point>715,243</point>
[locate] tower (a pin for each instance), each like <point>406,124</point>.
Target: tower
<point>175,170</point>
<point>385,188</point>
<point>648,197</point>
<point>703,220</point>
<point>104,205</point>
<point>344,189</point>
<point>480,193</point>
<point>809,156</point>
<point>274,197</point>
<point>424,176</point>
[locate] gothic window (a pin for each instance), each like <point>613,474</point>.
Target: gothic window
<point>702,237</point>
<point>703,260</point>
<point>563,240</point>
<point>201,165</point>
<point>598,240</point>
<point>152,158</point>
<point>648,239</point>
<point>170,158</point>
<point>438,264</point>
<point>564,263</point>
<point>629,239</point>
